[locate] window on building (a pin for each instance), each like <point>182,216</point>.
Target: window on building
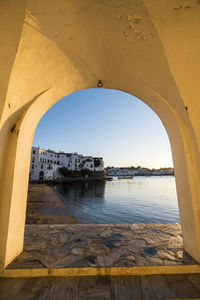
<point>33,159</point>
<point>58,162</point>
<point>91,166</point>
<point>79,160</point>
<point>41,166</point>
<point>48,160</point>
<point>75,160</point>
<point>51,161</point>
<point>51,155</point>
<point>41,159</point>
<point>54,162</point>
<point>68,165</point>
<point>58,155</point>
<point>75,165</point>
<point>32,167</point>
<point>33,151</point>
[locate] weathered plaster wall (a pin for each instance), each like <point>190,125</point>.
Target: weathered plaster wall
<point>178,27</point>
<point>145,48</point>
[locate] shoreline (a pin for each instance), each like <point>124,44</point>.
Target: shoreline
<point>67,180</point>
<point>78,179</point>
<point>45,206</point>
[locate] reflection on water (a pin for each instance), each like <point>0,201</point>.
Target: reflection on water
<point>137,200</point>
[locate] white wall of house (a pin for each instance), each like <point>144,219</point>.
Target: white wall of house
<point>45,164</point>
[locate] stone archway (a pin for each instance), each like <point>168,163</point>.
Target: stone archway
<point>54,54</point>
<point>24,141</point>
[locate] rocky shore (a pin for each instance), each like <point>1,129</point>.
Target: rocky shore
<point>45,207</point>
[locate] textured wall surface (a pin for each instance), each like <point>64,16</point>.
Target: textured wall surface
<point>49,49</point>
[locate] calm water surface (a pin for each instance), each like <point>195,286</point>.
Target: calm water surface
<point>137,200</point>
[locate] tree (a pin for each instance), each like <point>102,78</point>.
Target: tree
<point>85,172</point>
<point>64,171</point>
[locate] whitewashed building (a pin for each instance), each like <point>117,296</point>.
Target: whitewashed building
<point>45,164</point>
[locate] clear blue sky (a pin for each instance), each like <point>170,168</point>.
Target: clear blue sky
<point>107,123</point>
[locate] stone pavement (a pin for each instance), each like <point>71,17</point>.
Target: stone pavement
<point>154,287</point>
<point>112,245</point>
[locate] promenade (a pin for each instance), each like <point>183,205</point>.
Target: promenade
<point>81,261</point>
<point>102,246</point>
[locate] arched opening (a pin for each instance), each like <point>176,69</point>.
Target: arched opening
<point>175,131</point>
<point>117,130</point>
<point>112,241</point>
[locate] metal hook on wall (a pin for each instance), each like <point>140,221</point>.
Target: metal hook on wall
<point>99,84</point>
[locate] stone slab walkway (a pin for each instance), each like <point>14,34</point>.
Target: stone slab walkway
<point>154,287</point>
<point>83,245</point>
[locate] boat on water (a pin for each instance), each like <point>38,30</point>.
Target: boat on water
<point>125,177</point>
<point>108,178</point>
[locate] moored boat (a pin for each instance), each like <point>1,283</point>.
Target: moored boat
<point>124,177</point>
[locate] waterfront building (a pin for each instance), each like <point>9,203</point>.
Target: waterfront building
<point>45,164</point>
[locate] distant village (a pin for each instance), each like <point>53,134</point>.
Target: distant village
<point>47,165</point>
<point>138,171</point>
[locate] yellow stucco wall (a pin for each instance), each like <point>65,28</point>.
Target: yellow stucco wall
<point>49,49</point>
